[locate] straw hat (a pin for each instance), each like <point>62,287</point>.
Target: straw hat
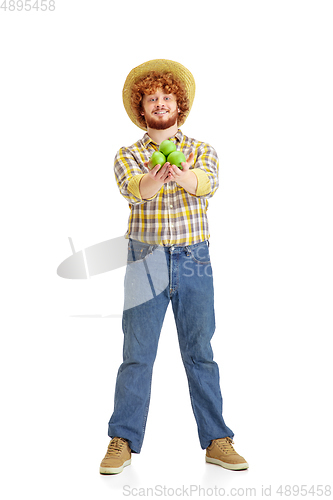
<point>162,66</point>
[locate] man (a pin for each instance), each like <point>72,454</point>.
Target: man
<point>168,261</point>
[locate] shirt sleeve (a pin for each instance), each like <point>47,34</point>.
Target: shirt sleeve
<point>206,169</point>
<point>128,176</point>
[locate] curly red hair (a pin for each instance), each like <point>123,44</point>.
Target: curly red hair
<point>149,84</point>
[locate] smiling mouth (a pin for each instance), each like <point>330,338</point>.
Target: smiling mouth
<point>161,112</point>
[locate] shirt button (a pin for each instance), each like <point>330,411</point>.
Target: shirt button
<point>171,206</point>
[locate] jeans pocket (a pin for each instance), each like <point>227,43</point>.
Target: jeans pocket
<point>199,253</point>
<point>138,251</point>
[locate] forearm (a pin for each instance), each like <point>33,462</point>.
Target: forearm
<point>149,187</point>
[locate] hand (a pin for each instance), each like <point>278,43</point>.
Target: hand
<point>158,174</point>
<point>177,174</point>
<point>185,178</point>
<point>152,182</point>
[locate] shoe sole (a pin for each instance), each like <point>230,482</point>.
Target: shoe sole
<point>114,470</point>
<point>225,465</point>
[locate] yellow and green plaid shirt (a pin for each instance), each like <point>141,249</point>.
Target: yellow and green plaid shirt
<point>173,216</point>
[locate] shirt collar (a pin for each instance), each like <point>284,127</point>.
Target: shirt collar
<point>146,139</point>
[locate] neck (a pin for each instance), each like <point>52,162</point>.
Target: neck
<point>159,136</point>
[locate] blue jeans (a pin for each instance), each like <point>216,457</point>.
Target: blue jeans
<point>156,275</point>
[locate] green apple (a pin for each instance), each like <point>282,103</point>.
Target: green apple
<point>167,147</point>
<point>157,158</point>
<point>176,158</point>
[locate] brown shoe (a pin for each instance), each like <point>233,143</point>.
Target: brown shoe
<point>221,452</point>
<point>117,457</point>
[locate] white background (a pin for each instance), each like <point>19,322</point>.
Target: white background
<point>263,72</point>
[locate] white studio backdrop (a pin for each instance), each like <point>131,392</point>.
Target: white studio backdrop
<point>263,72</point>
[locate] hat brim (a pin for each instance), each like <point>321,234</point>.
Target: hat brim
<point>161,66</point>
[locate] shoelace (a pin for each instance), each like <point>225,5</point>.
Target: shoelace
<point>226,444</point>
<point>116,445</point>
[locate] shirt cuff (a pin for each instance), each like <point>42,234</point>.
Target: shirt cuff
<point>133,185</point>
<point>203,186</point>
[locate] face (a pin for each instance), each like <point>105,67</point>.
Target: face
<point>160,110</point>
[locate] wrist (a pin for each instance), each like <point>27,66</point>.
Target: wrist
<point>149,186</point>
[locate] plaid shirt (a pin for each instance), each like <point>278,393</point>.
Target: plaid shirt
<point>173,216</point>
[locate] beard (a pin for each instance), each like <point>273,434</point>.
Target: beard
<point>158,124</point>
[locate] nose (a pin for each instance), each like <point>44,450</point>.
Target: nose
<point>159,102</point>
